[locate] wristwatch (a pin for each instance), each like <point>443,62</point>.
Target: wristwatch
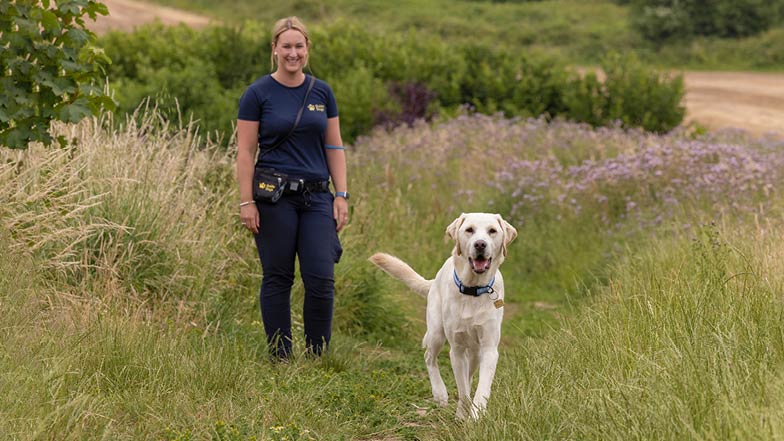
<point>341,194</point>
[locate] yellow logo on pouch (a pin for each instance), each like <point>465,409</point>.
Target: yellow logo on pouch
<point>267,187</point>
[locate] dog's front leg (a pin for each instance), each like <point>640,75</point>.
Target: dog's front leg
<point>487,364</point>
<point>433,342</point>
<point>460,366</point>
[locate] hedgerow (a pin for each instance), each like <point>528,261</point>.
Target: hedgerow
<point>661,21</point>
<point>381,78</point>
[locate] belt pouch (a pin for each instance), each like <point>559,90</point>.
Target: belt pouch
<point>268,184</point>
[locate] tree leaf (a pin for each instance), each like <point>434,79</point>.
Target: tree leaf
<point>50,21</point>
<point>74,112</point>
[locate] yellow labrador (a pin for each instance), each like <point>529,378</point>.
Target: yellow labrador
<point>464,306</point>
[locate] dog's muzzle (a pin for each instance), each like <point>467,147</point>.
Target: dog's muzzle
<point>480,264</point>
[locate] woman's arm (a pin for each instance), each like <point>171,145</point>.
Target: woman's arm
<point>247,143</point>
<point>336,161</point>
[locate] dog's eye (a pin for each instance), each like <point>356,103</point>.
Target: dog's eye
<point>492,231</point>
<point>470,230</point>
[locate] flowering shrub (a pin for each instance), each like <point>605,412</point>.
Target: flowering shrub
<point>525,168</point>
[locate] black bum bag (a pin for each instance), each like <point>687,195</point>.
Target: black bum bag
<point>269,185</point>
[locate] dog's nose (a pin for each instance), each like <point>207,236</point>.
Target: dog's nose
<point>480,245</point>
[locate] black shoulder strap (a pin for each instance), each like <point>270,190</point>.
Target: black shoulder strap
<point>296,122</point>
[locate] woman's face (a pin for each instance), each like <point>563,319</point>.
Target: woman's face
<point>292,51</point>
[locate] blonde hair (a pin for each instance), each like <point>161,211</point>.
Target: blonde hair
<point>283,25</point>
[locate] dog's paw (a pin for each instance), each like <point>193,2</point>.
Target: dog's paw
<point>441,398</point>
<point>462,414</point>
<point>480,405</point>
<point>470,411</point>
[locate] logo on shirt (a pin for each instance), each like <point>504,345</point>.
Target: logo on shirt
<point>316,107</point>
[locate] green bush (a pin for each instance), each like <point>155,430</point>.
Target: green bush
<point>377,78</point>
<point>630,93</point>
<point>664,20</point>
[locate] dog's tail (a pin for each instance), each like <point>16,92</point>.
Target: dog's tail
<point>401,271</point>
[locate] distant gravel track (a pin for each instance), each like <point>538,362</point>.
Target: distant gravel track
<point>750,101</point>
<point>124,15</point>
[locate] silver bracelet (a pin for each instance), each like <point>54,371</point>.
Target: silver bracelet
<point>242,204</point>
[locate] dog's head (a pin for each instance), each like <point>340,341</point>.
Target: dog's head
<point>482,238</point>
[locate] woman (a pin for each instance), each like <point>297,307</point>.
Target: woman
<point>305,221</point>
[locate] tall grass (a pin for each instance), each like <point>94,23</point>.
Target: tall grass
<point>128,290</point>
<point>685,342</point>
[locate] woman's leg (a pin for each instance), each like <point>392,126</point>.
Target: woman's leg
<point>276,244</point>
<point>319,250</point>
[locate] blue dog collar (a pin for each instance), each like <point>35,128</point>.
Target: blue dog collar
<point>475,291</point>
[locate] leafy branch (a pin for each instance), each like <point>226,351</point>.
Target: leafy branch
<point>49,68</point>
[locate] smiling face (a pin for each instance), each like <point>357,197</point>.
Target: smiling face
<point>291,51</point>
<point>481,238</point>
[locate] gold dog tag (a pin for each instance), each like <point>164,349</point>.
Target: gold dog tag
<point>499,303</point>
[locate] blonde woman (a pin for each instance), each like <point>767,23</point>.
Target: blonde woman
<point>304,223</point>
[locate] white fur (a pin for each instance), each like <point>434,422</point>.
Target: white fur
<point>472,325</point>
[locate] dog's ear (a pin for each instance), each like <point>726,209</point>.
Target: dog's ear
<point>452,229</point>
<point>509,232</point>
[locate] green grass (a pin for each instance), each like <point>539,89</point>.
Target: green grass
<point>128,302</point>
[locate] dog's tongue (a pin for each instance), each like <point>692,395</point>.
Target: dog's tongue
<point>480,265</point>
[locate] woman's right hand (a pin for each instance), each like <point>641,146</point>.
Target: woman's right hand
<point>249,215</point>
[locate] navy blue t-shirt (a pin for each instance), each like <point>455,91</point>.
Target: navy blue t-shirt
<point>275,107</point>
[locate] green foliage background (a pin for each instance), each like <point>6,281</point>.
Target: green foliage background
<point>580,32</point>
<point>660,21</point>
<point>50,69</point>
<point>382,77</point>
<point>393,63</point>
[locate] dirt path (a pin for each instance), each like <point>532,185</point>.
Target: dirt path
<point>125,15</point>
<point>750,101</point>
<point>716,100</point>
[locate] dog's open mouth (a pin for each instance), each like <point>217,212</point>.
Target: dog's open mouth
<point>480,264</point>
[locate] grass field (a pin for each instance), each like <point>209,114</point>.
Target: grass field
<point>644,290</point>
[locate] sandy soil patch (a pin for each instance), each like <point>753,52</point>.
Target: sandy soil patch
<point>749,101</point>
<point>125,15</point>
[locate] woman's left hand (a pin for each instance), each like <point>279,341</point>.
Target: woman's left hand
<point>340,212</point>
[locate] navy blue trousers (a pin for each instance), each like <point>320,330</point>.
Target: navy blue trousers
<point>302,226</point>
